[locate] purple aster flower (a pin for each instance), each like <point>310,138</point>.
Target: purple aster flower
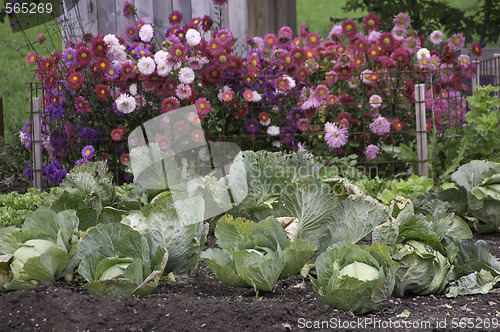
<point>54,112</point>
<point>89,134</point>
<point>81,161</point>
<point>88,152</point>
<point>296,114</point>
<point>59,142</point>
<point>371,151</point>
<point>252,125</point>
<point>112,73</point>
<point>335,136</point>
<point>69,57</point>
<point>27,171</point>
<point>54,172</point>
<point>287,135</point>
<point>380,126</point>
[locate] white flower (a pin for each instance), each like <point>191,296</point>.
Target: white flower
<point>133,89</point>
<point>161,56</point>
<point>111,40</point>
<point>146,65</point>
<point>273,130</point>
<point>146,33</point>
<point>186,75</point>
<point>125,103</point>
<point>193,37</point>
<point>164,69</point>
<point>276,144</point>
<point>256,97</point>
<point>423,53</point>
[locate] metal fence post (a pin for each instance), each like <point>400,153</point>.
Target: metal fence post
<point>423,164</point>
<point>36,142</point>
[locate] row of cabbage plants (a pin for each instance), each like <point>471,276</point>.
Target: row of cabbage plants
<point>292,218</point>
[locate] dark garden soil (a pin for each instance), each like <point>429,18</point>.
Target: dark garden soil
<point>202,303</point>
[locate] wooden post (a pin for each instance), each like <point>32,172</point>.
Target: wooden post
<point>1,119</point>
<point>476,79</point>
<point>423,165</point>
<point>496,71</point>
<point>36,142</point>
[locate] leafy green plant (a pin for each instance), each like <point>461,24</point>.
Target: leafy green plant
<point>357,278</point>
<point>14,206</point>
<point>87,189</point>
<point>40,251</point>
<point>178,228</point>
<point>409,188</point>
<point>255,254</point>
<point>117,261</point>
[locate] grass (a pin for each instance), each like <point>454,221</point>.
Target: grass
<point>15,73</point>
<point>307,12</point>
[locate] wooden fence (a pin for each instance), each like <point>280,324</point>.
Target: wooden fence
<point>242,17</point>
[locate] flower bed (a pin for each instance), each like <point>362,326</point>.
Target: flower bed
<point>349,94</point>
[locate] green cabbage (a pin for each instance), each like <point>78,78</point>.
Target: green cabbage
<point>357,278</point>
<point>255,254</point>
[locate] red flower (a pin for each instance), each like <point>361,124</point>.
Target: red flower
<point>83,56</point>
<point>476,49</point>
<point>175,17</point>
<point>349,28</point>
<point>116,134</point>
<point>75,79</point>
<point>398,124</point>
<point>102,91</point>
<point>99,46</point>
<point>371,22</point>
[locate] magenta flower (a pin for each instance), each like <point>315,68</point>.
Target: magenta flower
<point>380,126</point>
<point>335,136</point>
<point>371,151</point>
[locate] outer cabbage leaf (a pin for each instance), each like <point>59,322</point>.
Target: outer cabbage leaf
<point>344,290</point>
<point>355,218</point>
<point>221,262</point>
<point>469,175</point>
<point>474,257</point>
<point>260,270</point>
<point>296,255</point>
<point>421,269</point>
<point>313,204</point>
<point>474,283</point>
<point>117,261</point>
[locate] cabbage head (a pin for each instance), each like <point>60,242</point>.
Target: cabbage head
<point>357,278</point>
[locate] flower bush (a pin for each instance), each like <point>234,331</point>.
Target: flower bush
<point>346,94</point>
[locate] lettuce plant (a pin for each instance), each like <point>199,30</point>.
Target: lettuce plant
<point>357,278</point>
<point>255,254</point>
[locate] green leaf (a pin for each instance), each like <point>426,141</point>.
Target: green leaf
<point>474,257</point>
<point>355,218</point>
<point>232,233</point>
<point>312,204</point>
<point>48,266</point>
<point>221,263</point>
<point>296,255</point>
<point>259,270</point>
<point>474,283</point>
<point>10,240</point>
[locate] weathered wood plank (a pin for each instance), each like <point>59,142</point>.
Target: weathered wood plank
<point>106,17</point>
<point>238,22</point>
<point>184,6</point>
<point>200,8</point>
<point>81,19</point>
<point>162,9</point>
<point>121,21</point>
<point>145,9</point>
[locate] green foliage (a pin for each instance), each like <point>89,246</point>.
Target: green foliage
<point>357,278</point>
<point>14,206</point>
<point>117,261</point>
<point>409,188</point>
<point>255,254</point>
<point>430,15</point>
